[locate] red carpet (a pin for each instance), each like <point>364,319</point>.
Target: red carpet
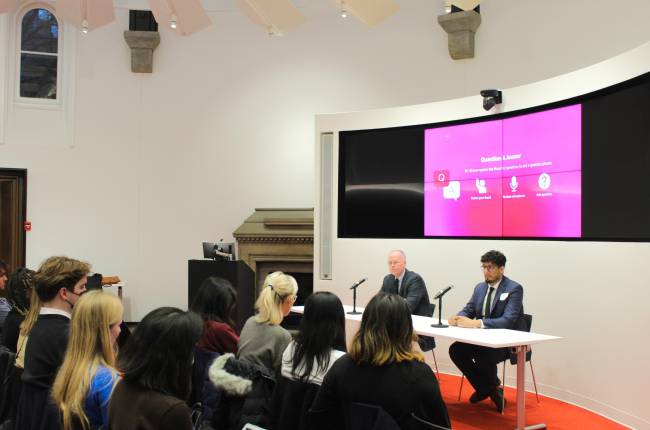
<point>555,414</point>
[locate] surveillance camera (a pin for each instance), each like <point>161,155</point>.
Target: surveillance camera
<point>491,98</point>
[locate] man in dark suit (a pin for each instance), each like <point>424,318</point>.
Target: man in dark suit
<point>495,303</point>
<point>411,286</point>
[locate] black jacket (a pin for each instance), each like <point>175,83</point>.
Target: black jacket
<point>246,391</point>
<point>400,389</point>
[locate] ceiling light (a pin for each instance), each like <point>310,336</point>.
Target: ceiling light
<point>344,11</point>
<point>172,21</point>
<point>272,30</point>
<point>84,27</point>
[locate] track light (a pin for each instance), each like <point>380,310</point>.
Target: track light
<point>173,21</point>
<point>344,11</point>
<point>447,6</point>
<point>84,27</point>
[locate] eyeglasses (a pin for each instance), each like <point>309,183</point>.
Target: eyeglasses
<point>488,267</point>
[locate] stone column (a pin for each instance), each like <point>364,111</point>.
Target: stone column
<point>461,28</point>
<point>142,44</point>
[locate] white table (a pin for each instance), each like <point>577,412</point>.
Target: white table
<point>491,338</point>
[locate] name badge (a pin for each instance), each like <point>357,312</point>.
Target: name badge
<point>503,296</point>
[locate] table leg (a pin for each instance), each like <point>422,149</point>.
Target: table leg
<point>521,387</point>
<point>521,391</point>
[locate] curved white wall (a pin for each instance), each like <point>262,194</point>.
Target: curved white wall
<point>593,294</point>
<point>151,165</point>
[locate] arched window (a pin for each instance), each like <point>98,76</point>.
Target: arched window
<point>39,54</point>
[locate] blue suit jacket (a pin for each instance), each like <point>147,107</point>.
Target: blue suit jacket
<point>413,290</point>
<point>507,305</point>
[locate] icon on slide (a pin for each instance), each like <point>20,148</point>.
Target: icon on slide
<point>480,186</point>
<point>514,184</point>
<point>441,177</point>
<point>451,191</point>
<point>544,181</point>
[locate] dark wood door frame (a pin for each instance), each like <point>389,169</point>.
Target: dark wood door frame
<point>13,214</point>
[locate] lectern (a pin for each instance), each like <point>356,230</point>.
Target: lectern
<point>237,272</point>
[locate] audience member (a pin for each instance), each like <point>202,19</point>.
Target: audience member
<point>320,340</point>
<point>215,303</point>
<point>26,327</point>
<point>19,290</point>
<point>156,364</point>
<point>59,283</point>
<point>495,303</point>
<point>382,369</point>
<point>319,343</point>
<point>5,307</point>
<point>84,384</point>
<point>262,340</point>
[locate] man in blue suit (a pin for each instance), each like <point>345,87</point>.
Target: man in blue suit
<point>411,286</point>
<point>495,303</point>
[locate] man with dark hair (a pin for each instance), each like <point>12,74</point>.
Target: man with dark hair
<point>411,286</point>
<point>58,282</point>
<point>495,303</point>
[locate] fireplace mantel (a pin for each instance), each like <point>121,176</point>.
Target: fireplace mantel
<point>277,239</point>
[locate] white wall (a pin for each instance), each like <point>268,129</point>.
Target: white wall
<point>155,164</point>
<point>593,294</point>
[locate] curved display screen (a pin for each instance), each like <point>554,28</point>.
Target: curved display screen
<point>572,170</point>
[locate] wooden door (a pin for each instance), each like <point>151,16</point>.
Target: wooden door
<point>13,203</point>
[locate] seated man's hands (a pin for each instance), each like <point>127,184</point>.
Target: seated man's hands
<point>465,322</point>
<point>453,321</point>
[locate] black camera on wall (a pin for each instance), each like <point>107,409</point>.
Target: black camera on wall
<point>491,98</point>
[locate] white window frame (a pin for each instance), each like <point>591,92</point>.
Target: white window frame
<point>33,102</point>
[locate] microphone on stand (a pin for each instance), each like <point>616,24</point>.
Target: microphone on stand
<point>439,297</point>
<point>443,292</point>
<point>359,282</point>
<point>354,296</point>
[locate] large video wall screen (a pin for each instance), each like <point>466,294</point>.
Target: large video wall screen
<point>575,170</point>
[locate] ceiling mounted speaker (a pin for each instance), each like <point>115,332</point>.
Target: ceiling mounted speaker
<point>278,15</point>
<point>466,4</point>
<point>86,14</point>
<point>7,5</point>
<point>185,16</point>
<point>370,12</point>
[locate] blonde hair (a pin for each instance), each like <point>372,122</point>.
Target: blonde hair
<point>32,314</point>
<point>276,288</point>
<point>89,346</point>
<point>386,333</point>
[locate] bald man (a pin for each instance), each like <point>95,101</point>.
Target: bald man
<point>411,286</point>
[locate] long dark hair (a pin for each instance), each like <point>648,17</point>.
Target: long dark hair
<point>20,282</point>
<point>215,300</point>
<point>322,329</point>
<point>158,356</point>
<point>386,333</point>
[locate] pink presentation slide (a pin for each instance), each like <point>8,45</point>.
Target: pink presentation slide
<point>518,177</point>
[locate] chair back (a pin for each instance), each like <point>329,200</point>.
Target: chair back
<point>431,309</point>
<point>418,423</point>
<point>366,416</point>
<point>290,403</point>
<point>528,322</point>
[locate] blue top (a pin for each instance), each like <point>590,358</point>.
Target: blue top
<point>99,393</point>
